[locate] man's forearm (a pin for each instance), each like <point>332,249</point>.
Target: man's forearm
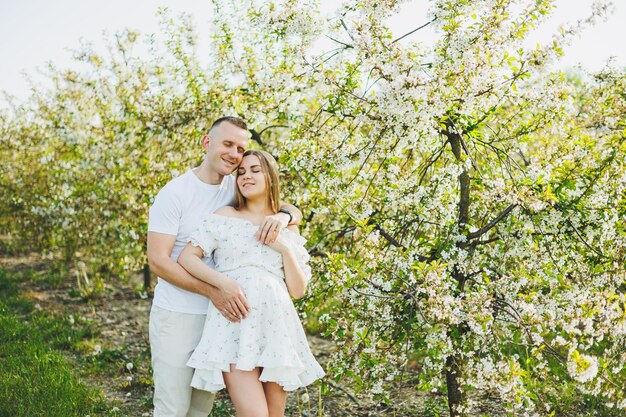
<point>296,214</point>
<point>175,274</point>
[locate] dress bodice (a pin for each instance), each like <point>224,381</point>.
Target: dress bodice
<point>231,243</point>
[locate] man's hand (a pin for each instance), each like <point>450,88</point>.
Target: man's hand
<point>230,300</point>
<point>271,227</point>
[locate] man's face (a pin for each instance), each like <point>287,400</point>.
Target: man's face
<point>224,147</point>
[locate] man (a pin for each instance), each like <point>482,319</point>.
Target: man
<point>180,300</point>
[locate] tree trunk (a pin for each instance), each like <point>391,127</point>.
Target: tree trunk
<point>455,397</point>
<point>146,278</point>
<point>453,369</point>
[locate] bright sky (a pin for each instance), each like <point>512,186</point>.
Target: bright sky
<point>33,32</point>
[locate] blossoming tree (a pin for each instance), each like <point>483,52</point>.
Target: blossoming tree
<point>83,159</point>
<point>468,203</point>
<point>465,205</point>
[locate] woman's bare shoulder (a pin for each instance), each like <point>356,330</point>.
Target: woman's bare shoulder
<point>226,211</point>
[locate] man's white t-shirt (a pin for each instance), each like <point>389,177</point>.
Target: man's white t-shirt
<point>179,209</point>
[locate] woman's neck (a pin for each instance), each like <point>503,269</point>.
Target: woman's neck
<point>258,207</point>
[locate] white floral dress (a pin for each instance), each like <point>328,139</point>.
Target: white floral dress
<point>271,336</point>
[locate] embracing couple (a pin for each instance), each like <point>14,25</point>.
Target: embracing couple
<point>229,257</point>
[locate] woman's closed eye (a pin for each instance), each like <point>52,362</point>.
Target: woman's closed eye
<point>242,171</point>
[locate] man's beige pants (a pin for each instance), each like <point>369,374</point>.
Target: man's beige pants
<point>173,337</point>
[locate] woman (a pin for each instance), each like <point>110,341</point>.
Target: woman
<point>266,354</point>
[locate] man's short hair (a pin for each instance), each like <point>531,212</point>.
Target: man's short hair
<point>229,119</point>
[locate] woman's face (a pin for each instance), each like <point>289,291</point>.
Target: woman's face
<point>251,178</point>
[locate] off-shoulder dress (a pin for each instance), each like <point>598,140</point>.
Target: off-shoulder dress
<point>271,336</point>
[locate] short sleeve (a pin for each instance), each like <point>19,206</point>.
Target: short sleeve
<point>165,213</point>
<point>302,255</point>
<point>205,237</point>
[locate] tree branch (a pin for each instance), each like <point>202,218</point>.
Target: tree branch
<point>413,31</point>
<point>346,29</point>
<point>492,223</point>
<point>347,45</point>
<point>271,127</point>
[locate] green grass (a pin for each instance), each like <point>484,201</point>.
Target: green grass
<point>36,379</point>
<point>222,407</point>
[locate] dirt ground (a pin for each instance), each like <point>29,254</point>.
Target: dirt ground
<point>116,356</point>
<point>119,317</point>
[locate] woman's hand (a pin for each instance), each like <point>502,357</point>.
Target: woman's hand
<point>295,278</point>
<point>270,228</point>
<point>280,244</point>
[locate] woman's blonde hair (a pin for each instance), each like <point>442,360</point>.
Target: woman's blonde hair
<point>272,180</point>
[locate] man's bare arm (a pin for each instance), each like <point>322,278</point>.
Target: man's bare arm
<point>296,215</point>
<point>160,247</point>
<point>191,259</point>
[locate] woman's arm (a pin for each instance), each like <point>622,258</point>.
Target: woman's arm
<point>295,277</point>
<point>191,259</point>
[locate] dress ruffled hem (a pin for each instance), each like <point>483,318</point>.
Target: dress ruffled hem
<point>211,378</point>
